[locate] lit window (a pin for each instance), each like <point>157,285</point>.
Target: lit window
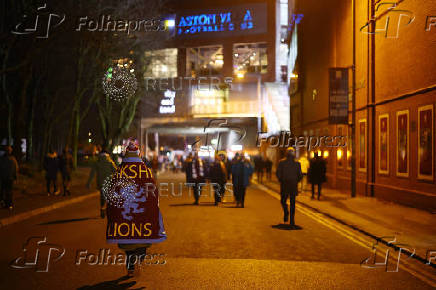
<point>284,12</point>
<point>161,63</point>
<point>249,58</point>
<point>204,61</point>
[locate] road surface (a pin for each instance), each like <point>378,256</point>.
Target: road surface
<point>208,247</point>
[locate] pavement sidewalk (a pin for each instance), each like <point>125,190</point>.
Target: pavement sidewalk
<point>30,196</point>
<point>373,217</point>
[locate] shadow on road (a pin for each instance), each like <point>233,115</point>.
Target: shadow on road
<point>286,227</point>
<point>67,221</point>
<point>113,285</point>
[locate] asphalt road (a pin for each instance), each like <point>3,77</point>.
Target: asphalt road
<point>208,247</point>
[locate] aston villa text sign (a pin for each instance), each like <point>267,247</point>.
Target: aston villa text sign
<point>231,21</point>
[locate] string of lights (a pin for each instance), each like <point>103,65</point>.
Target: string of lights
<point>119,83</point>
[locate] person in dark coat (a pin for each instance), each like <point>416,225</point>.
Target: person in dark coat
<point>66,167</point>
<point>241,174</point>
<point>316,174</point>
<point>289,174</point>
<point>259,167</point>
<point>268,168</point>
<point>228,168</point>
<point>51,167</point>
<point>102,168</point>
<point>195,175</point>
<point>8,174</point>
<point>218,176</point>
<point>187,167</point>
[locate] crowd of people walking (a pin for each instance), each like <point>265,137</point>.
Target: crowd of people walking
<point>239,170</point>
<point>263,166</point>
<point>53,165</point>
<point>293,176</point>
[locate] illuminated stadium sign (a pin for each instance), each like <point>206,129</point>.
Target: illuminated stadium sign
<point>235,20</point>
<point>167,105</point>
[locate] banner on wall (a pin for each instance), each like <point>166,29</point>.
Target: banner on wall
<point>425,143</point>
<point>383,167</point>
<point>403,143</point>
<point>338,95</point>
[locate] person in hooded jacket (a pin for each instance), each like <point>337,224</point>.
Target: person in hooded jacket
<point>134,220</point>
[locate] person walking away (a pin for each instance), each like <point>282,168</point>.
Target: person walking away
<point>247,173</point>
<point>195,174</point>
<point>66,167</point>
<point>218,177</point>
<point>241,174</point>
<point>304,168</point>
<point>135,222</point>
<point>228,168</point>
<point>236,178</point>
<point>317,174</point>
<point>259,166</point>
<point>268,168</point>
<point>51,167</point>
<point>154,166</point>
<point>102,168</point>
<point>289,174</point>
<point>8,175</point>
<point>187,167</point>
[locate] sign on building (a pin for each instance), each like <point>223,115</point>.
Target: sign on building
<point>338,95</point>
<point>167,105</point>
<point>235,20</point>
